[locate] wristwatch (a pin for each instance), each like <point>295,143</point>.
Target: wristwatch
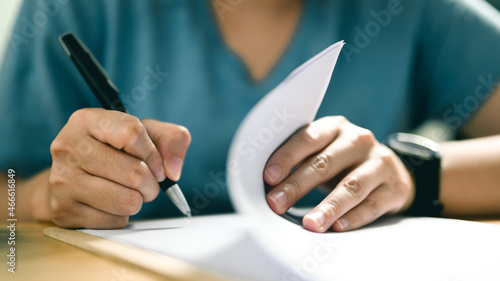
<point>422,159</point>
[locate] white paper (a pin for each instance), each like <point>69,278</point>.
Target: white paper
<point>219,244</point>
<point>391,249</point>
<point>257,244</point>
<point>291,105</point>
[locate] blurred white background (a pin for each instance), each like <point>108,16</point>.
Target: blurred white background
<point>8,14</point>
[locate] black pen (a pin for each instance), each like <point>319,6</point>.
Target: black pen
<point>108,95</point>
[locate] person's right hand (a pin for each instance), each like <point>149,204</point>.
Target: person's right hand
<point>105,164</point>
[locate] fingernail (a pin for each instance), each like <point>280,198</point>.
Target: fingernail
<point>279,199</point>
<point>343,223</point>
<point>273,172</point>
<point>318,217</point>
<point>160,173</point>
<point>174,167</point>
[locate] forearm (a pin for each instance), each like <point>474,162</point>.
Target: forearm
<point>470,177</point>
<point>31,197</point>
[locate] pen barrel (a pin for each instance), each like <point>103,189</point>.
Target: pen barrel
<point>92,72</point>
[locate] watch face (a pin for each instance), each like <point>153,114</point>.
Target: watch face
<point>414,145</point>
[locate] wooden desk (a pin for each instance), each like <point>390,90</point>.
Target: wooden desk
<point>42,258</point>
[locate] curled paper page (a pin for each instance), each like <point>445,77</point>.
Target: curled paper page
<point>291,105</point>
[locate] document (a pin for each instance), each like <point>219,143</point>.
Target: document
<point>257,244</point>
<point>394,248</point>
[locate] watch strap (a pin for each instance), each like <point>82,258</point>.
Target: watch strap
<point>422,159</point>
<point>426,175</point>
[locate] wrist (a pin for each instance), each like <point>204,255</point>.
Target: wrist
<point>411,197</point>
<point>34,195</point>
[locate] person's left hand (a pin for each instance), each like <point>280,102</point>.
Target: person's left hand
<point>367,178</point>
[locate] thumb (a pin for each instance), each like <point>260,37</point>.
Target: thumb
<point>172,141</point>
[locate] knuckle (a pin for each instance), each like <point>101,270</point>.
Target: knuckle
<point>340,119</point>
<point>59,147</point>
<point>132,130</point>
<point>84,147</point>
<point>321,164</point>
<point>353,187</point>
<point>365,137</point>
<point>61,179</point>
<point>130,202</point>
<point>309,136</point>
<point>387,158</point>
<point>292,189</point>
<point>55,180</point>
<point>330,208</point>
<point>326,119</point>
<point>138,174</point>
<point>80,116</point>
<point>57,211</point>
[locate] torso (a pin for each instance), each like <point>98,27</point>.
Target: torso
<point>260,32</point>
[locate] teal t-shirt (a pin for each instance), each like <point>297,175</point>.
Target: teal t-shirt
<point>404,62</point>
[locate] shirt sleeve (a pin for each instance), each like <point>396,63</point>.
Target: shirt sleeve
<point>458,65</point>
<point>39,86</point>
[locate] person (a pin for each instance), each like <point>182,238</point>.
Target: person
<point>189,71</point>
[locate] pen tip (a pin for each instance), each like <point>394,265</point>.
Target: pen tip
<point>188,214</point>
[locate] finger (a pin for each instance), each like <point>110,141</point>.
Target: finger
<point>172,142</point>
<point>76,215</point>
<point>107,196</point>
<point>378,203</point>
<point>307,141</point>
<point>122,131</point>
<point>351,191</point>
<point>339,156</point>
<point>109,163</point>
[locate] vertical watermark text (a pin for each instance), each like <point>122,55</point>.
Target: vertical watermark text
<point>11,220</point>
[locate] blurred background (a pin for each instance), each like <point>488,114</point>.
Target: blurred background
<point>10,8</point>
<point>8,14</point>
